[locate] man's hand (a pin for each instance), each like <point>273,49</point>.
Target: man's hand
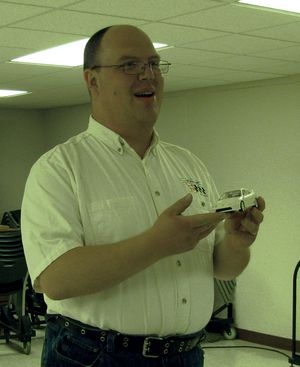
<point>232,254</point>
<point>175,233</point>
<point>242,228</point>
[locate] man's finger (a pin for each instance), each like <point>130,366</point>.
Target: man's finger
<point>256,216</point>
<point>179,206</point>
<point>261,203</point>
<point>249,226</point>
<point>202,232</point>
<point>206,219</point>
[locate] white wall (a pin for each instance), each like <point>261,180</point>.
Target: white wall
<point>22,141</point>
<point>62,123</point>
<point>248,135</point>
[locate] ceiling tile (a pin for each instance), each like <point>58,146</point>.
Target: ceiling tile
<point>190,56</point>
<point>47,3</point>
<point>67,96</point>
<point>14,71</point>
<point>285,68</point>
<point>232,76</point>
<point>226,75</point>
<point>150,9</point>
<point>11,13</point>
<point>9,53</point>
<point>238,44</point>
<point>206,36</point>
<point>193,71</point>
<point>227,1</point>
<point>286,54</point>
<point>285,32</point>
<point>58,79</point>
<point>177,35</point>
<point>191,83</point>
<point>252,63</point>
<point>232,18</point>
<point>73,22</point>
<point>34,40</point>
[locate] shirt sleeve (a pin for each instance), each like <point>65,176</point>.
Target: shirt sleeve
<point>50,221</point>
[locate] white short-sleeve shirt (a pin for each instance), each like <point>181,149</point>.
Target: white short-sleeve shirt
<point>94,189</point>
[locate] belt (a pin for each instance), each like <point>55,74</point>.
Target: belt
<point>149,346</point>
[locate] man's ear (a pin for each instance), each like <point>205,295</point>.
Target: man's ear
<point>91,80</point>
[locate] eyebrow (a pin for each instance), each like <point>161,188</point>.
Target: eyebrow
<point>123,58</point>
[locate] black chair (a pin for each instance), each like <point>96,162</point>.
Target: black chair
<point>12,218</point>
<point>14,321</point>
<point>36,307</point>
<point>223,325</point>
<point>35,304</point>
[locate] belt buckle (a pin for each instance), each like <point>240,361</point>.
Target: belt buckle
<point>147,344</point>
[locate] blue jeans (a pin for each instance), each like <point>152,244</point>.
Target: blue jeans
<point>62,348</point>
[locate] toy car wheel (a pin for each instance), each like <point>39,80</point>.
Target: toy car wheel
<point>230,334</point>
<point>243,206</point>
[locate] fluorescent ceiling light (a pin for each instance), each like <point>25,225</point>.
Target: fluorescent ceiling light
<point>285,5</point>
<point>158,46</point>
<point>68,55</point>
<point>12,93</point>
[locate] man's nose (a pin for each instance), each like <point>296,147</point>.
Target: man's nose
<point>147,72</point>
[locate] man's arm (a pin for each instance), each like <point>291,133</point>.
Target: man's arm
<point>90,269</point>
<point>232,255</point>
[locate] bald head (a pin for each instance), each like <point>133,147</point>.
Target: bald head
<point>109,38</point>
<point>124,34</point>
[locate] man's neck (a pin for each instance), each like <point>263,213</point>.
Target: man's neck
<point>139,143</point>
<point>138,137</point>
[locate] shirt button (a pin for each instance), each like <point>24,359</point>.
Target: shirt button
<point>203,203</point>
<point>178,263</point>
<point>184,301</point>
<point>157,193</point>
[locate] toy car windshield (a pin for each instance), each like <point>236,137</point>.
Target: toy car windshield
<point>231,194</point>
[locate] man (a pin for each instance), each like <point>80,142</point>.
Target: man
<point>116,225</point>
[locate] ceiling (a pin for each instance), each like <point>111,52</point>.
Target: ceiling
<point>216,42</point>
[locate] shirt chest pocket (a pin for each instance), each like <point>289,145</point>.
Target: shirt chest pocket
<point>200,204</point>
<point>114,219</point>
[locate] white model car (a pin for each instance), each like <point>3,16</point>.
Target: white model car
<point>236,200</point>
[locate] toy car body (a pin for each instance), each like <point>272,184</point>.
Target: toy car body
<point>236,200</point>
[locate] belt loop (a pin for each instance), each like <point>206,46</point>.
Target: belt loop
<point>111,341</point>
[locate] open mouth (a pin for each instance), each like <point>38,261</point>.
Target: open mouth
<point>144,94</point>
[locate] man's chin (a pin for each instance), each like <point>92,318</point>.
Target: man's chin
<point>148,118</point>
<point>147,112</point>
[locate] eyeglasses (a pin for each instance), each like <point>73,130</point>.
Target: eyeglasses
<point>135,68</point>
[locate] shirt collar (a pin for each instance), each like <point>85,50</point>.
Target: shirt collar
<point>106,135</point>
<point>154,143</point>
<point>114,140</point>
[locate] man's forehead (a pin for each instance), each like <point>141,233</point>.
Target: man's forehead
<point>122,41</point>
<point>131,52</point>
<point>126,37</point>
<point>119,54</point>
<point>134,57</point>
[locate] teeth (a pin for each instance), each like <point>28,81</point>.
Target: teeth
<point>147,94</point>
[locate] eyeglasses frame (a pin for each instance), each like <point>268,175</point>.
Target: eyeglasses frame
<point>119,66</point>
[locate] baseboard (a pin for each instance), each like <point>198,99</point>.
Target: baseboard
<point>265,339</point>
